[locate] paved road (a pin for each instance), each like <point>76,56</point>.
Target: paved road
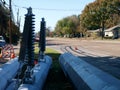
<point>100,53</point>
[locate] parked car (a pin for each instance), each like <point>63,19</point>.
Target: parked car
<point>2,41</point>
<point>37,39</point>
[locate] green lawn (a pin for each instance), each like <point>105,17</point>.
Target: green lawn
<point>56,79</point>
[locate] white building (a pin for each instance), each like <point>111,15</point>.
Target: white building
<point>113,32</point>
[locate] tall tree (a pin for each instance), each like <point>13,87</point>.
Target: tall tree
<point>98,12</point>
<point>68,25</point>
<point>3,20</point>
<point>4,25</point>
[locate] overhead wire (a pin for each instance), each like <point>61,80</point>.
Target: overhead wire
<point>47,9</point>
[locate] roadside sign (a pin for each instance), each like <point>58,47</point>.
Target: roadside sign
<point>7,51</point>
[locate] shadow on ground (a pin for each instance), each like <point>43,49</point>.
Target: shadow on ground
<point>3,61</point>
<point>56,79</point>
<point>108,64</point>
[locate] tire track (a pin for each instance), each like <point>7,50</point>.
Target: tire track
<point>109,64</point>
<point>77,52</point>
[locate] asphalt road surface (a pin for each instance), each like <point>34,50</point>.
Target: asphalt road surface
<point>103,54</point>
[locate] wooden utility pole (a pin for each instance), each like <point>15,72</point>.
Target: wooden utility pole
<point>18,19</point>
<point>10,40</point>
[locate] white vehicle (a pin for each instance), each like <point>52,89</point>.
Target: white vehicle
<point>2,41</point>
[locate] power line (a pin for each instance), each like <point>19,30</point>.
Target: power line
<point>46,9</point>
<point>51,9</point>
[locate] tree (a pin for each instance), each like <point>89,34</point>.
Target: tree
<point>96,15</point>
<point>67,25</point>
<point>48,31</point>
<point>3,20</point>
<point>4,25</point>
<point>100,14</point>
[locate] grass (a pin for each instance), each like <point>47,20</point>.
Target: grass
<point>56,79</point>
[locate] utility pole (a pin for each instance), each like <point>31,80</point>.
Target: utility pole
<point>18,19</point>
<point>103,26</point>
<point>10,40</point>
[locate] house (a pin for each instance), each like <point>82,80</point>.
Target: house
<point>94,33</point>
<point>113,32</point>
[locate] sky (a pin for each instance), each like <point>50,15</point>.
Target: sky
<point>51,10</point>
